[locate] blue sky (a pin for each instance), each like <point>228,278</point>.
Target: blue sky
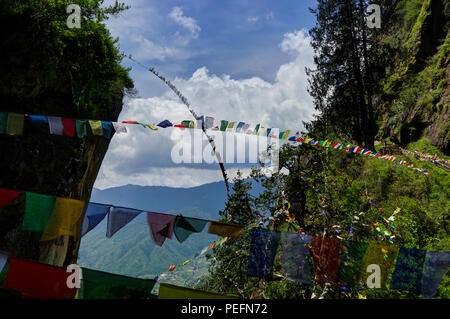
<point>233,60</point>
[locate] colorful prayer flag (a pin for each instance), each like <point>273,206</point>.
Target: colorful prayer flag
<point>68,126</point>
<point>7,196</point>
<point>295,257</point>
<point>185,226</point>
<point>66,215</point>
<point>37,280</point>
<point>209,122</point>
<point>375,255</point>
<point>3,122</point>
<point>225,229</point>
<point>167,291</point>
<point>161,227</point>
<point>38,209</point>
<point>350,262</point>
<point>118,217</point>
<point>435,267</point>
<point>55,125</point>
<point>223,125</point>
<point>165,124</point>
<point>106,129</point>
<point>95,213</point>
<point>14,125</point>
<point>101,285</point>
<point>263,247</point>
<point>38,118</point>
<point>408,270</point>
<point>81,128</point>
<point>326,258</point>
<point>96,127</point>
<point>119,127</point>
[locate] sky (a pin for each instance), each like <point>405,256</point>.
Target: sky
<point>235,60</point>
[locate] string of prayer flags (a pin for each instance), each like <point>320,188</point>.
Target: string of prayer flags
<point>3,121</point>
<point>263,247</point>
<point>56,125</point>
<point>37,280</point>
<point>225,229</point>
<point>185,226</point>
<point>95,213</point>
<point>408,270</point>
<point>7,196</point>
<point>168,291</point>
<point>435,267</point>
<point>66,215</point>
<point>38,209</point>
<point>326,258</point>
<point>107,129</point>
<point>383,257</point>
<point>96,127</point>
<point>14,125</point>
<point>69,126</point>
<point>81,128</point>
<point>351,259</point>
<point>161,227</point>
<point>118,217</point>
<point>294,257</point>
<point>119,127</point>
<point>101,285</point>
<point>172,268</point>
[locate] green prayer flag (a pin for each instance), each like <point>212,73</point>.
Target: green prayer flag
<point>4,273</point>
<point>3,120</point>
<point>167,291</point>
<point>256,129</point>
<point>14,125</point>
<point>351,259</point>
<point>101,285</point>
<point>188,124</point>
<point>81,128</point>
<point>38,209</point>
<point>223,125</point>
<point>185,226</point>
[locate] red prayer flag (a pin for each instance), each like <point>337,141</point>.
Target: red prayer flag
<point>36,280</point>
<point>69,126</point>
<point>8,195</point>
<point>327,261</point>
<point>180,126</point>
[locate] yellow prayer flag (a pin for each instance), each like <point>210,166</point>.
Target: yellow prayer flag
<point>154,128</point>
<point>96,127</point>
<point>225,230</point>
<point>286,134</point>
<point>65,219</point>
<point>167,291</point>
<point>230,126</point>
<point>14,125</point>
<point>375,256</point>
<point>262,131</point>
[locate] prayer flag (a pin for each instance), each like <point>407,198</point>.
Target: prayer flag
<point>66,215</point>
<point>172,268</point>
<point>96,127</point>
<point>14,125</point>
<point>101,285</point>
<point>382,255</point>
<point>255,132</point>
<point>118,217</point>
<point>435,267</point>
<point>107,129</point>
<point>56,125</point>
<point>351,258</point>
<point>239,126</point>
<point>185,226</point>
<point>263,247</point>
<point>295,257</point>
<point>154,128</point>
<point>201,122</point>
<point>7,196</point>
<point>326,258</point>
<point>167,291</point>
<point>408,270</point>
<point>81,128</point>
<point>37,280</point>
<point>68,126</point>
<point>165,124</point>
<point>245,128</point>
<point>188,124</point>
<point>119,127</point>
<point>38,209</point>
<point>223,125</point>
<point>38,118</point>
<point>95,213</point>
<point>3,260</point>
<point>161,227</point>
<point>230,126</point>
<point>225,229</point>
<point>209,122</point>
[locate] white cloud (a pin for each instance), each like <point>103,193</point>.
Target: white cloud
<point>270,16</point>
<point>148,50</point>
<point>186,22</point>
<point>253,19</point>
<point>144,157</point>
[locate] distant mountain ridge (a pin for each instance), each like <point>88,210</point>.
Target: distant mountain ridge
<point>130,251</point>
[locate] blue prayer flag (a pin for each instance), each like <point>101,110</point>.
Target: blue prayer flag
<point>263,248</point>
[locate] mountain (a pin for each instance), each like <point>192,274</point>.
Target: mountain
<point>131,251</point>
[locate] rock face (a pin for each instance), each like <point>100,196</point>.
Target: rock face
<point>416,83</point>
<point>51,70</point>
